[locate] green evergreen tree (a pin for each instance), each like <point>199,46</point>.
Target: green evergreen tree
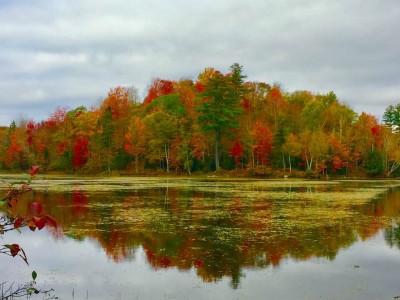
<point>11,130</point>
<point>392,115</point>
<point>220,110</point>
<point>106,122</point>
<point>373,163</point>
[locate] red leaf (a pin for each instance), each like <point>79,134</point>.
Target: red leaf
<point>37,207</point>
<point>34,170</point>
<point>199,87</point>
<point>39,222</point>
<point>18,222</point>
<point>198,263</point>
<point>375,129</point>
<point>14,249</point>
<point>50,220</point>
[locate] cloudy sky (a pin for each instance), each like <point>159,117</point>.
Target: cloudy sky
<point>70,53</point>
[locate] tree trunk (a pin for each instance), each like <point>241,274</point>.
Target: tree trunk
<point>108,160</point>
<point>284,162</point>
<point>166,149</point>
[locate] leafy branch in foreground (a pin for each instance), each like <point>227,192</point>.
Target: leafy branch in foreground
<point>12,221</point>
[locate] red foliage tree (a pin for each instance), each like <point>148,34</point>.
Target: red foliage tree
<point>160,87</point>
<point>237,152</point>
<point>13,152</point>
<point>262,138</point>
<point>81,152</point>
<point>276,104</point>
<point>31,129</point>
<point>376,132</point>
<point>199,87</point>
<point>57,117</point>
<point>118,102</point>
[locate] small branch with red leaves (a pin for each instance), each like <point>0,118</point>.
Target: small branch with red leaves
<point>9,222</point>
<point>14,250</point>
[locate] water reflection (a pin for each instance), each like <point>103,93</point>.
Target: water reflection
<point>218,230</point>
<point>392,208</point>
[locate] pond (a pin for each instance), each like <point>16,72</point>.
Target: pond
<point>183,238</point>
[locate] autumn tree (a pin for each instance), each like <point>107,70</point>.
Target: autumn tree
<point>314,112</point>
<point>176,117</point>
<point>315,147</point>
<point>236,152</point>
<point>215,122</point>
<point>107,127</point>
<point>16,153</point>
<point>81,152</point>
<point>338,119</point>
<point>340,153</point>
<point>318,150</point>
<point>159,87</point>
<point>114,115</point>
<point>191,142</point>
<point>275,106</point>
<point>60,128</point>
<point>136,140</point>
<point>362,138</point>
<point>162,129</point>
<point>261,143</point>
<point>295,104</point>
<point>292,147</point>
<point>391,149</point>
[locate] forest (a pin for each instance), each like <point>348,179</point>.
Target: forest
<point>220,122</point>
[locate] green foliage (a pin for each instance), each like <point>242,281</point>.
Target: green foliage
<point>373,163</point>
<point>220,108</point>
<point>313,113</point>
<point>277,157</point>
<point>122,160</point>
<point>392,115</point>
<point>34,275</point>
<point>162,126</point>
<point>170,104</point>
<point>11,130</point>
<point>73,113</point>
<point>63,163</point>
<point>108,128</point>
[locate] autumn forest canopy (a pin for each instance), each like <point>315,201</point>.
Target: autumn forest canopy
<point>218,122</point>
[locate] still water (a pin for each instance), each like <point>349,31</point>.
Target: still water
<point>158,238</point>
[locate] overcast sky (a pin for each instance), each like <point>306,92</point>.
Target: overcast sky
<point>70,53</point>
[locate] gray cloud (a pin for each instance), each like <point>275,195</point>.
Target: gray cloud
<point>61,53</point>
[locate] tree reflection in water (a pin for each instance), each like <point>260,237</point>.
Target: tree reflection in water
<point>219,230</point>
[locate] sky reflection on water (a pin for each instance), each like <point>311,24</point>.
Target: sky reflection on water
<point>157,264</point>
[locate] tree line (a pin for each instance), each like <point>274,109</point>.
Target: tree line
<point>218,122</point>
